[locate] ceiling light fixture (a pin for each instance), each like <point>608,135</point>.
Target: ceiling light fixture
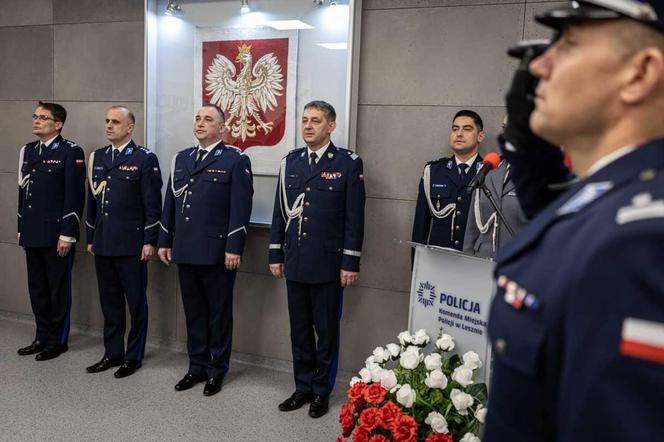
<point>244,8</point>
<point>173,8</point>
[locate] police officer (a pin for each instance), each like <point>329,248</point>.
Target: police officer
<point>577,323</point>
<point>204,225</point>
<point>316,242</point>
<point>51,192</point>
<point>442,200</point>
<point>124,209</point>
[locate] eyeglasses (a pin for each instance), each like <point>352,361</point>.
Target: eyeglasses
<point>42,117</point>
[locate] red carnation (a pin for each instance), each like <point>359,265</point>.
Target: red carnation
<point>370,418</point>
<point>341,439</point>
<point>361,435</point>
<point>375,393</point>
<point>404,429</point>
<point>389,412</point>
<point>347,419</point>
<point>439,438</point>
<point>355,394</point>
<point>378,438</point>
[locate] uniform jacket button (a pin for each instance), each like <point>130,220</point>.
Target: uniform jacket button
<point>458,212</point>
<point>307,204</point>
<point>308,189</point>
<point>304,234</point>
<point>191,180</point>
<point>500,346</point>
<point>186,218</point>
<point>459,198</point>
<point>456,243</point>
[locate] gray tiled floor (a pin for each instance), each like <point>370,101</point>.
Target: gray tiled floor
<point>58,401</point>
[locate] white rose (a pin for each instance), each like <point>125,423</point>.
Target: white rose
<point>433,361</point>
<point>406,396</point>
<point>472,360</point>
<point>436,379</point>
<point>463,375</point>
<point>405,338</point>
<point>365,374</point>
<point>480,413</point>
<point>394,350</point>
<point>420,337</point>
<point>410,359</point>
<point>445,343</point>
<point>370,362</point>
<point>395,389</point>
<point>470,437</point>
<point>376,373</point>
<point>388,379</point>
<point>437,422</point>
<point>354,380</point>
<point>461,401</point>
<point>379,355</point>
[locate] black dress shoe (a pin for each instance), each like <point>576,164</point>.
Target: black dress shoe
<point>102,365</point>
<point>319,406</point>
<point>212,387</point>
<point>296,401</point>
<point>51,352</point>
<point>188,381</point>
<point>31,349</point>
<point>127,369</point>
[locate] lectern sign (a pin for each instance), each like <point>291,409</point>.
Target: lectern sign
<point>452,291</point>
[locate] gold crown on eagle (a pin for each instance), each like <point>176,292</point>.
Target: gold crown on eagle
<point>244,49</point>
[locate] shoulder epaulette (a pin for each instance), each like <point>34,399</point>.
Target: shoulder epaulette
<point>235,149</point>
<point>294,152</point>
<point>144,149</point>
<point>71,143</point>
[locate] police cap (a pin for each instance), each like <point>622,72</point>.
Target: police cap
<point>649,12</point>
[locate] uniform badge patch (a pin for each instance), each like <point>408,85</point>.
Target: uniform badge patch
<point>80,162</point>
<point>98,168</point>
<point>126,168</point>
<point>439,185</point>
<point>216,171</point>
<point>55,146</point>
<point>642,339</point>
<point>217,152</point>
<point>330,175</point>
<point>517,296</point>
<point>585,196</point>
<point>52,161</point>
<point>478,166</point>
<point>129,151</point>
<point>450,164</point>
<point>643,207</point>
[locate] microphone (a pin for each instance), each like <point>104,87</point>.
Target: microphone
<point>490,162</point>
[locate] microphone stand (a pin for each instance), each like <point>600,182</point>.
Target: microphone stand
<point>488,194</point>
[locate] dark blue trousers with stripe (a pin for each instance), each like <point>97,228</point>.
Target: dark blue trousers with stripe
<point>207,298</point>
<point>315,311</point>
<point>123,279</point>
<point>49,284</point>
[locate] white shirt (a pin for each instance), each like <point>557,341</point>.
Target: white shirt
<point>319,153</point>
<point>608,159</point>
<point>121,148</point>
<point>207,149</point>
<point>469,163</point>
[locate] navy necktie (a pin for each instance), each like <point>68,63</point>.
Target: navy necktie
<point>313,158</point>
<point>199,156</point>
<point>462,171</point>
<point>116,152</point>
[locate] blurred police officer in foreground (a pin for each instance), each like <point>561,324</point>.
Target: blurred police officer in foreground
<point>204,226</point>
<point>51,192</point>
<point>577,324</point>
<point>123,213</point>
<point>316,242</point>
<point>442,200</point>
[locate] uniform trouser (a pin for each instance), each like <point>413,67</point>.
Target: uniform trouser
<point>49,284</point>
<point>121,278</point>
<point>315,310</point>
<point>207,298</point>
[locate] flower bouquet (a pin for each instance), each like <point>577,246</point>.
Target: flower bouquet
<point>402,395</point>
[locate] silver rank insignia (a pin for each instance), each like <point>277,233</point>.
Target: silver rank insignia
<point>642,207</point>
<point>589,193</point>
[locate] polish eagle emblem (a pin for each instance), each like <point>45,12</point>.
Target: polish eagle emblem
<point>245,97</point>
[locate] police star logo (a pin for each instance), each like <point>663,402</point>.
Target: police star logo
<point>426,294</point>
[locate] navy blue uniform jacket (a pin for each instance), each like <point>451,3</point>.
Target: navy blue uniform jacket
<point>209,212</point>
<point>51,194</point>
<point>328,235</point>
<point>576,286</point>
<point>446,188</point>
<point>125,213</point>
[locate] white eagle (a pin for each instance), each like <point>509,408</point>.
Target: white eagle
<point>244,97</point>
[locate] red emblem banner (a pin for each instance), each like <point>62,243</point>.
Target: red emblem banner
<point>248,80</point>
